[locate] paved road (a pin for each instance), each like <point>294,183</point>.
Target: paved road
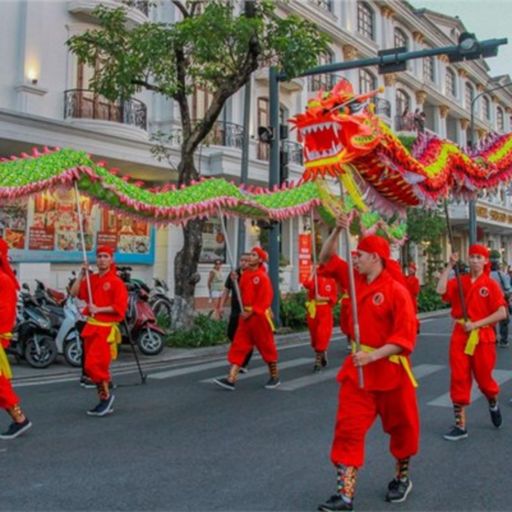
<point>179,443</point>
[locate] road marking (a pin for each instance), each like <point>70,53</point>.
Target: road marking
<point>438,334</point>
<point>501,376</point>
<point>422,370</point>
<point>263,370</point>
<point>189,369</point>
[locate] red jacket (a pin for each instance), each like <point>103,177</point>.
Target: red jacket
<point>256,290</point>
<point>7,303</point>
<point>326,288</point>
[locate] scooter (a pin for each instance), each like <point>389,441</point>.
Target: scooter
<point>159,299</point>
<point>67,339</point>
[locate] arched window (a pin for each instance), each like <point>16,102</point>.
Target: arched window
<point>367,81</point>
<point>451,82</point>
<point>487,108</point>
<point>428,69</point>
<point>365,20</point>
<point>325,81</point>
<point>400,39</point>
<point>500,119</point>
<point>469,94</point>
<point>403,103</point>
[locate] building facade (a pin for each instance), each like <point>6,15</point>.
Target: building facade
<point>45,100</point>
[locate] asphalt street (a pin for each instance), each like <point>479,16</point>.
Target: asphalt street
<point>180,443</point>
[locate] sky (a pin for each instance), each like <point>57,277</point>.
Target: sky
<point>487,19</point>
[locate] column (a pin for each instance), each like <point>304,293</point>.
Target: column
<point>441,120</point>
<point>350,53</point>
<point>463,133</point>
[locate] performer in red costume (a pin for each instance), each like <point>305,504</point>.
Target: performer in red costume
<point>473,343</point>
<point>8,399</point>
<point>255,328</point>
<point>388,331</point>
<point>101,335</point>
<point>322,295</point>
<point>413,285</point>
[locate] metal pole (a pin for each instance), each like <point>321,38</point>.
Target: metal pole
<point>245,161</point>
<point>273,179</point>
<point>313,250</point>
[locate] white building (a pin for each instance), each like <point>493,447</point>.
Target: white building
<point>44,101</point>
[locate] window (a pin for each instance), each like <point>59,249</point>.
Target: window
<point>322,82</point>
<point>324,4</point>
<point>365,20</point>
<point>469,94</point>
<point>264,120</point>
<point>500,119</point>
<point>400,39</point>
<point>451,83</point>
<point>367,82</point>
<point>403,103</point>
<point>487,108</point>
<point>428,69</point>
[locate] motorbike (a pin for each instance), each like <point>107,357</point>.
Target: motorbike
<point>32,335</point>
<point>159,299</point>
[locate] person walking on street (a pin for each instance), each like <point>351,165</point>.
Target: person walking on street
<point>234,316</point>
<point>472,345</point>
<point>215,285</point>
<point>8,398</point>
<point>387,335</point>
<point>255,328</point>
<point>101,334</point>
<point>322,296</point>
<point>503,280</point>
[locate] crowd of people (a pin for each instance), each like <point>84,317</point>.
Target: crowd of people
<point>376,380</point>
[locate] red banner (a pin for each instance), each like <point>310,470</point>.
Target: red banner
<point>305,265</point>
<point>41,239</point>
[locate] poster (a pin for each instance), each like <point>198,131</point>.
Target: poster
<point>214,245</point>
<point>305,265</point>
<point>13,222</point>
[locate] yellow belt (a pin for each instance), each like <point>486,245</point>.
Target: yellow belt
<point>473,339</point>
<point>312,304</point>
<point>396,359</point>
<point>114,337</point>
<point>5,367</point>
<point>268,316</point>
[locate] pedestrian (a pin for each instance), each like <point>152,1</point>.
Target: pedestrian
<point>322,296</point>
<point>215,285</point>
<point>472,345</point>
<point>255,327</point>
<point>503,280</point>
<point>413,285</point>
<point>8,398</point>
<point>101,334</point>
<point>387,336</point>
<point>234,315</point>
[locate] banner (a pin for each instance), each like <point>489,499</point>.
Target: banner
<point>305,264</point>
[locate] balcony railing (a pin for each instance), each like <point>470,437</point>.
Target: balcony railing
<point>223,133</point>
<point>294,150</point>
<point>405,123</point>
<point>382,106</point>
<point>85,104</point>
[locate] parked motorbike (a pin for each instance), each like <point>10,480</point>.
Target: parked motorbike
<point>32,335</point>
<point>159,299</point>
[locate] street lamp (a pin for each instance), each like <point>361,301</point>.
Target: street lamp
<point>472,202</point>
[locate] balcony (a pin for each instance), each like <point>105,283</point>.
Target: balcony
<point>136,11</point>
<point>294,150</point>
<point>85,104</point>
<point>226,134</point>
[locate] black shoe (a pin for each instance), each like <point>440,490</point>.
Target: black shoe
<point>324,360</point>
<point>503,344</point>
<point>87,383</point>
<point>16,429</point>
<point>273,383</point>
<point>225,383</point>
<point>455,434</point>
<point>243,369</point>
<point>317,368</point>
<point>398,490</point>
<point>334,503</point>
<point>103,408</point>
<point>496,416</point>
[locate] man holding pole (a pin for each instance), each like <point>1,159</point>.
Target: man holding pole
<point>8,399</point>
<point>107,300</point>
<point>477,303</point>
<point>255,327</point>
<point>387,337</point>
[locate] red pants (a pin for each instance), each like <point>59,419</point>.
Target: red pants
<point>97,353</point>
<point>253,332</point>
<point>320,327</point>
<point>8,397</point>
<point>464,367</point>
<point>357,410</point>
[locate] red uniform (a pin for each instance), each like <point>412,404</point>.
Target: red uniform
<point>107,290</point>
<point>8,398</point>
<point>319,316</point>
<point>386,316</point>
<point>483,297</point>
<point>413,285</point>
<point>257,330</point>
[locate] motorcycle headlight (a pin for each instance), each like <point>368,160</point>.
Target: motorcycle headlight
<point>44,323</point>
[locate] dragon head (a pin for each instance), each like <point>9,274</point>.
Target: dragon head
<point>336,128</point>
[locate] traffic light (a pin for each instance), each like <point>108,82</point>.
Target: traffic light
<point>470,48</point>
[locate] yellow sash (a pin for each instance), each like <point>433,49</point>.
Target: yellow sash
<point>473,339</point>
<point>5,367</point>
<point>312,304</point>
<point>268,316</point>
<point>396,359</point>
<point>114,337</point>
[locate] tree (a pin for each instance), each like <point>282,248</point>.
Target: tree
<point>213,47</point>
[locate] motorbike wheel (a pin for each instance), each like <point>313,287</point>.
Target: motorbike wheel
<point>150,342</point>
<point>161,308</point>
<point>73,352</point>
<point>47,355</point>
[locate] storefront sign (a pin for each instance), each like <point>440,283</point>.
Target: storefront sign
<point>40,240</point>
<point>305,265</point>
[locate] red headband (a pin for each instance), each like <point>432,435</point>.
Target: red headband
<point>104,249</point>
<point>479,249</point>
<point>376,244</point>
<point>262,255</point>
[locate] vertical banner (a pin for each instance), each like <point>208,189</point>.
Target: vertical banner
<point>305,265</point>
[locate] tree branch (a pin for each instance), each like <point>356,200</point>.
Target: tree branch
<point>182,8</point>
<point>148,86</point>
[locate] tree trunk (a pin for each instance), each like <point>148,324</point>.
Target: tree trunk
<point>185,263</point>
